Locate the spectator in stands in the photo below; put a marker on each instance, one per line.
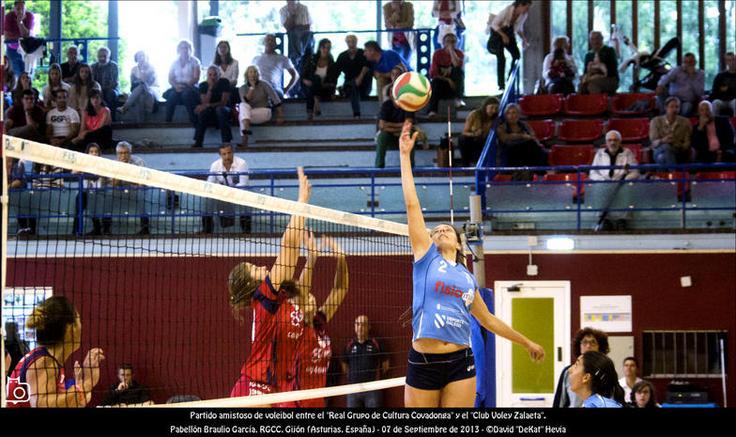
(593, 378)
(559, 69)
(105, 71)
(9, 81)
(24, 83)
(669, 135)
(477, 127)
(82, 88)
(449, 16)
(518, 144)
(228, 66)
(232, 171)
(183, 78)
(296, 20)
(630, 378)
(448, 76)
(613, 154)
(144, 89)
(62, 122)
(272, 66)
(600, 67)
(364, 361)
(96, 123)
(70, 68)
(54, 84)
(685, 82)
(257, 99)
(399, 14)
(215, 107)
(17, 24)
(25, 119)
(127, 391)
(503, 29)
(586, 339)
(91, 182)
(14, 345)
(643, 395)
(397, 71)
(390, 121)
(354, 65)
(712, 137)
(124, 154)
(318, 77)
(382, 62)
(723, 92)
(17, 179)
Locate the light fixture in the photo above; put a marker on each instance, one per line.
(560, 243)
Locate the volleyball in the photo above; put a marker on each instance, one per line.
(411, 91)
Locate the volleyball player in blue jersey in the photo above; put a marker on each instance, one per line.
(441, 370)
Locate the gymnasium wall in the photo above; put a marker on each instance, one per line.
(169, 317)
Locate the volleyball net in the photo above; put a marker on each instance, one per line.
(145, 256)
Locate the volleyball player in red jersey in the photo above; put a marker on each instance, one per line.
(315, 349)
(264, 291)
(38, 379)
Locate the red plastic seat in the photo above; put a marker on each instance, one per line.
(631, 129)
(541, 105)
(586, 104)
(733, 122)
(571, 155)
(502, 178)
(620, 103)
(543, 129)
(572, 181)
(580, 130)
(709, 175)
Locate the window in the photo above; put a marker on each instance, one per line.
(668, 26)
(646, 25)
(18, 304)
(712, 59)
(692, 354)
(559, 18)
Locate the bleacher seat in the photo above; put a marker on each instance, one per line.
(543, 129)
(621, 103)
(580, 130)
(631, 129)
(502, 178)
(571, 155)
(586, 104)
(711, 175)
(542, 105)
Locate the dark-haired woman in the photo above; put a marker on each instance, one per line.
(441, 371)
(41, 371)
(477, 126)
(265, 291)
(503, 29)
(96, 124)
(229, 68)
(643, 396)
(586, 339)
(318, 71)
(593, 378)
(82, 88)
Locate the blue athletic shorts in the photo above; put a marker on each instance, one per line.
(435, 371)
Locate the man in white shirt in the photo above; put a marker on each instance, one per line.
(296, 20)
(630, 378)
(62, 122)
(272, 66)
(614, 155)
(232, 171)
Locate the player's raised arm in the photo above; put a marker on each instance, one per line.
(418, 236)
(340, 283)
(285, 264)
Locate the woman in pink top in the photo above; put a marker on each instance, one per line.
(96, 123)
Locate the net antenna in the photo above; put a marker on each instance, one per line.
(450, 153)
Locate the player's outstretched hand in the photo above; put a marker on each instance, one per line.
(407, 139)
(305, 188)
(536, 352)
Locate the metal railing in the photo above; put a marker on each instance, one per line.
(684, 193)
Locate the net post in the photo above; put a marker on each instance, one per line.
(476, 218)
(4, 264)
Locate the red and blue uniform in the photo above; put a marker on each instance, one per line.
(257, 374)
(290, 321)
(18, 393)
(315, 352)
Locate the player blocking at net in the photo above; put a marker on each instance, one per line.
(441, 367)
(267, 292)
